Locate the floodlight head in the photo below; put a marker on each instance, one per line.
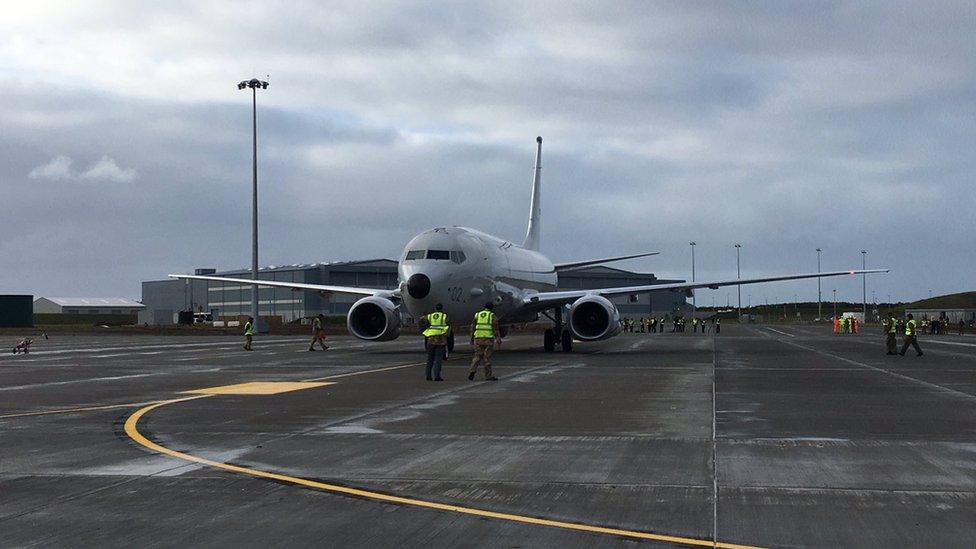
(241, 85)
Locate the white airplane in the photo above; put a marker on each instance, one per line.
(463, 269)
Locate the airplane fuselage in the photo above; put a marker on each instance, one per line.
(463, 269)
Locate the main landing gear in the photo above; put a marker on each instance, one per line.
(564, 337)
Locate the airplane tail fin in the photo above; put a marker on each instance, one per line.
(535, 208)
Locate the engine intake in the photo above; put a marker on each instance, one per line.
(593, 317)
(374, 319)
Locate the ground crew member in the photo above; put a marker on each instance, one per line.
(891, 334)
(661, 329)
(436, 334)
(694, 325)
(318, 333)
(910, 338)
(248, 333)
(718, 325)
(483, 334)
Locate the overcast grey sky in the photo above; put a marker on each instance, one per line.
(125, 144)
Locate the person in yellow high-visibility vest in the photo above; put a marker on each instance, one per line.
(891, 333)
(248, 333)
(436, 338)
(318, 333)
(483, 334)
(910, 338)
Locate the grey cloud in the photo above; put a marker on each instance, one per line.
(785, 126)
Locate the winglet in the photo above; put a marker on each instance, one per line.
(532, 235)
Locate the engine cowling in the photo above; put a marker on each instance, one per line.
(374, 319)
(593, 317)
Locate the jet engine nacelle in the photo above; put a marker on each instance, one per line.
(593, 317)
(374, 319)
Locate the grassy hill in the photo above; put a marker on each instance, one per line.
(964, 300)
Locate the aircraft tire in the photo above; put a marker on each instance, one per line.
(549, 340)
(567, 341)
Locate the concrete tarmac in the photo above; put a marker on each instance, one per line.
(779, 436)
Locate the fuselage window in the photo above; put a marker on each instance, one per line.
(438, 254)
(414, 254)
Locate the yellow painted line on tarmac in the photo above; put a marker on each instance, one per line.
(132, 430)
(258, 388)
(79, 409)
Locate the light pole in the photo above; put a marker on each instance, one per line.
(864, 287)
(694, 306)
(819, 311)
(835, 304)
(738, 275)
(254, 84)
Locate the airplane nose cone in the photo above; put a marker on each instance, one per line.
(418, 286)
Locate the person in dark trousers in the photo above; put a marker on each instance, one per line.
(484, 332)
(318, 333)
(436, 337)
(910, 338)
(891, 334)
(248, 333)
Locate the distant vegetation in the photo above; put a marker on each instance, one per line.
(964, 300)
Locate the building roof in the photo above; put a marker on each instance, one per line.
(92, 301)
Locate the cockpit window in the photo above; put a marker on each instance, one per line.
(438, 254)
(457, 257)
(414, 254)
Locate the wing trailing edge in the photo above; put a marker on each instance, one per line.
(563, 267)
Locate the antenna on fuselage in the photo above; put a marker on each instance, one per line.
(535, 207)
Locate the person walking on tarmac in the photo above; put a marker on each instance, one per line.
(483, 335)
(318, 333)
(436, 337)
(248, 333)
(718, 325)
(891, 334)
(910, 337)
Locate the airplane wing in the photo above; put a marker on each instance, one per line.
(543, 300)
(562, 267)
(390, 294)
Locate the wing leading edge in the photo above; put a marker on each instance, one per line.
(552, 299)
(295, 285)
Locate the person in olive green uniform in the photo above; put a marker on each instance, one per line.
(910, 337)
(248, 333)
(436, 334)
(483, 335)
(318, 333)
(891, 334)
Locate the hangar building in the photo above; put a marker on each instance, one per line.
(164, 299)
(86, 306)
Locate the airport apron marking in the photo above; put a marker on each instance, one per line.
(132, 430)
(259, 388)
